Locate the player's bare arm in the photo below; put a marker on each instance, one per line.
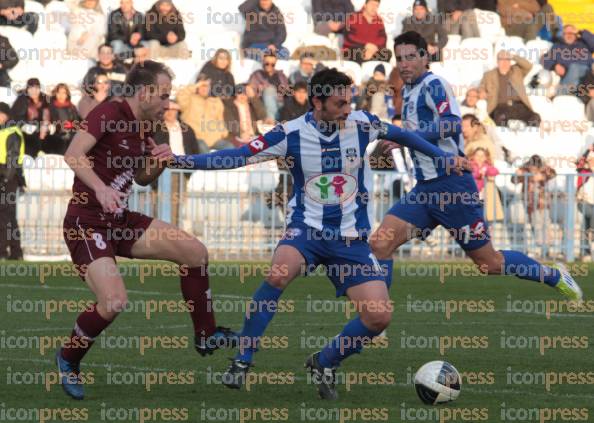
(154, 164)
(76, 157)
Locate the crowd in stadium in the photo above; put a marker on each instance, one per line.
(216, 112)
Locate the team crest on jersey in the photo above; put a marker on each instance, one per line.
(351, 154)
(331, 188)
(292, 233)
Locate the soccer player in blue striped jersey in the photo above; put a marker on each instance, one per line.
(329, 220)
(430, 109)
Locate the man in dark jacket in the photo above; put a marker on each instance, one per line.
(8, 60)
(125, 30)
(164, 31)
(297, 104)
(243, 114)
(182, 140)
(12, 13)
(571, 58)
(116, 72)
(329, 16)
(12, 150)
(265, 29)
(458, 17)
(430, 27)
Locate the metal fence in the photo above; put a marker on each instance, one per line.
(239, 214)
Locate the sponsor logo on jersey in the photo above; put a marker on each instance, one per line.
(258, 145)
(443, 107)
(331, 188)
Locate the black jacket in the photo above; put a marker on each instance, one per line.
(8, 59)
(222, 83)
(430, 28)
(65, 118)
(262, 27)
(257, 112)
(27, 20)
(292, 110)
(331, 10)
(161, 136)
(116, 75)
(119, 28)
(11, 169)
(157, 26)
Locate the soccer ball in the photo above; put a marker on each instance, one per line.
(437, 382)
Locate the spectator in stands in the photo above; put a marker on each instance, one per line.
(550, 24)
(504, 90)
(11, 180)
(116, 72)
(125, 29)
(204, 113)
(307, 67)
(8, 60)
(459, 17)
(429, 26)
(373, 96)
(518, 17)
(178, 134)
(87, 31)
(484, 175)
(31, 111)
(395, 84)
(534, 175)
(164, 31)
(99, 93)
(473, 104)
(585, 198)
(571, 58)
(297, 104)
(490, 5)
(64, 121)
(12, 13)
(270, 85)
(365, 35)
(244, 114)
(218, 71)
(475, 136)
(265, 29)
(330, 16)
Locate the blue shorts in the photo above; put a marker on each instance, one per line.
(348, 262)
(450, 201)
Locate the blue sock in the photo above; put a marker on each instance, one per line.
(388, 264)
(522, 266)
(263, 307)
(348, 342)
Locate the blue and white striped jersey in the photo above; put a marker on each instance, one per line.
(424, 103)
(331, 174)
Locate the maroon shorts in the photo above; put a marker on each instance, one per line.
(90, 236)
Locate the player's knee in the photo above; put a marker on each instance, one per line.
(195, 255)
(377, 321)
(278, 280)
(381, 248)
(490, 265)
(114, 303)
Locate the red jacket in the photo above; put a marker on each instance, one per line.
(360, 32)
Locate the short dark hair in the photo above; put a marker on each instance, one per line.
(143, 75)
(104, 45)
(324, 82)
(301, 85)
(414, 38)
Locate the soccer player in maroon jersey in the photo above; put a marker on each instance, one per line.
(113, 149)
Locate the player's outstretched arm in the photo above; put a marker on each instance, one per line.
(412, 140)
(231, 158)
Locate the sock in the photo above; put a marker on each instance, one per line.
(195, 290)
(88, 326)
(524, 267)
(388, 264)
(261, 312)
(348, 342)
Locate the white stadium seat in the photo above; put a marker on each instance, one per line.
(537, 49)
(514, 45)
(33, 6)
(543, 106)
(489, 24)
(242, 69)
(569, 108)
(57, 15)
(353, 69)
(476, 50)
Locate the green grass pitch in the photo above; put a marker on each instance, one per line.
(513, 354)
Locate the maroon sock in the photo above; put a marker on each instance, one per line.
(196, 292)
(87, 327)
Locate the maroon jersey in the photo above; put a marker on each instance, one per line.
(116, 156)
